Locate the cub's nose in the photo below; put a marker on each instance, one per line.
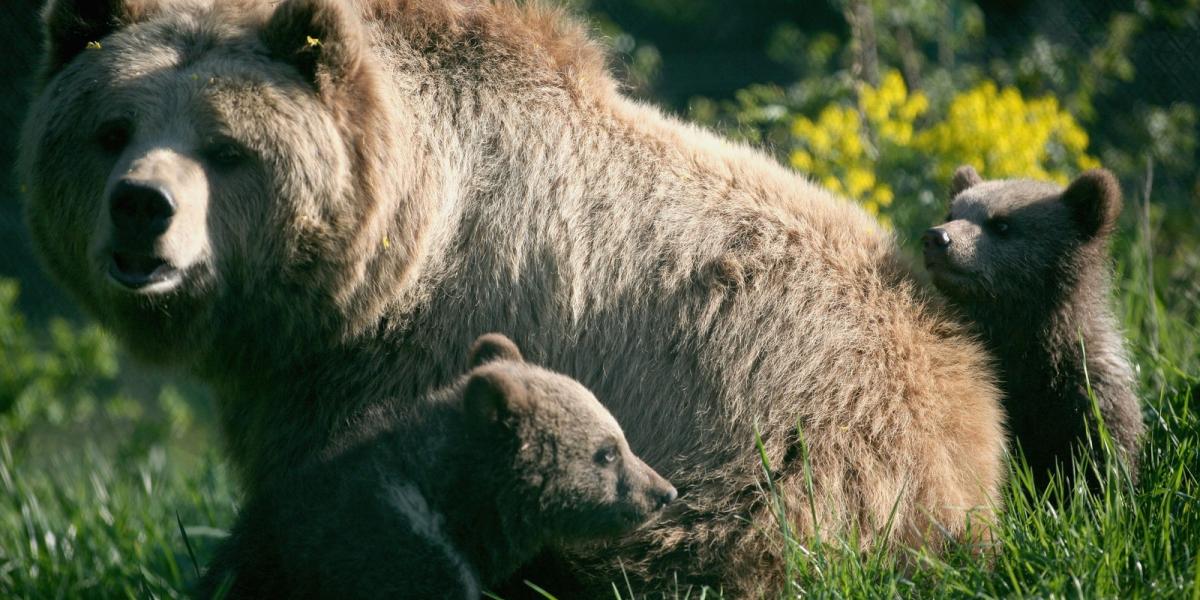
(936, 238)
(665, 497)
(140, 210)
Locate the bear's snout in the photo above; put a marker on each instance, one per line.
(153, 228)
(140, 212)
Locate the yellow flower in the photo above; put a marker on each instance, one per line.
(998, 130)
(859, 181)
(883, 195)
(833, 183)
(1004, 135)
(801, 161)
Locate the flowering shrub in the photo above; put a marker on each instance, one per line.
(886, 144)
(843, 155)
(1004, 135)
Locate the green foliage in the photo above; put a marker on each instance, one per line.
(885, 114)
(66, 377)
(55, 380)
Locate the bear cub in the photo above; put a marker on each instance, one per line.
(456, 492)
(1028, 264)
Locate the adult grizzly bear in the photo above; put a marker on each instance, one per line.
(315, 206)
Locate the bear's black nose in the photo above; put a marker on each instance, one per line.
(936, 238)
(140, 211)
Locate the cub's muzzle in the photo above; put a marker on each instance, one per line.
(935, 238)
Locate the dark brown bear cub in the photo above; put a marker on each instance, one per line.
(461, 489)
(1028, 263)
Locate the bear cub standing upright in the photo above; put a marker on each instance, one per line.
(1028, 263)
(460, 490)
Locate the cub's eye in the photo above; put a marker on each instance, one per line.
(606, 456)
(999, 225)
(225, 153)
(113, 136)
(949, 217)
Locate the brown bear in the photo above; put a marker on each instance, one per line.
(459, 489)
(1028, 263)
(314, 204)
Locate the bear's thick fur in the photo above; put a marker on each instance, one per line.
(1028, 262)
(332, 198)
(461, 488)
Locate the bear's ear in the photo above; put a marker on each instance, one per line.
(494, 395)
(1094, 199)
(73, 24)
(964, 177)
(493, 346)
(323, 39)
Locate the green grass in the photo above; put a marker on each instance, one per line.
(78, 522)
(81, 524)
(1126, 541)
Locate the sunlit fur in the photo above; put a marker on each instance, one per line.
(424, 171)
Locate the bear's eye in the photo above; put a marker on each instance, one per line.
(113, 136)
(999, 225)
(225, 153)
(606, 455)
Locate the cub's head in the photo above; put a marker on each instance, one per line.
(193, 167)
(565, 463)
(1019, 238)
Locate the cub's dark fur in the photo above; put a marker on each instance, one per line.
(1028, 262)
(464, 487)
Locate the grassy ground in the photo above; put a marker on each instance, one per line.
(76, 521)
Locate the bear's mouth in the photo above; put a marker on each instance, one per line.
(951, 280)
(941, 265)
(141, 272)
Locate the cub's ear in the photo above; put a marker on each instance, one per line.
(73, 24)
(964, 177)
(323, 39)
(493, 346)
(494, 395)
(1094, 199)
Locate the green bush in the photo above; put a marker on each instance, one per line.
(65, 377)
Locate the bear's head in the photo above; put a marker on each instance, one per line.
(1010, 239)
(564, 464)
(196, 169)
